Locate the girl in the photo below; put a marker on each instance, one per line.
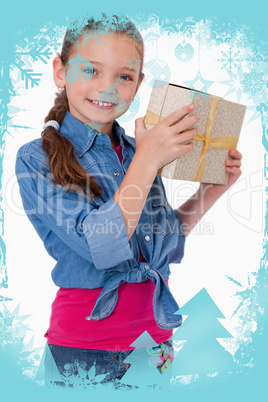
(95, 199)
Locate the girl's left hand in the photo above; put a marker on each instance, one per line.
(233, 166)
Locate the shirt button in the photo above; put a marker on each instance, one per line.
(147, 238)
(165, 203)
(116, 174)
(146, 266)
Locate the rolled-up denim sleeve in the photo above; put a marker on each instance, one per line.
(98, 234)
(175, 255)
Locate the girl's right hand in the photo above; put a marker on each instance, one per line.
(164, 142)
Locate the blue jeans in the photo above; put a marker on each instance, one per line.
(91, 367)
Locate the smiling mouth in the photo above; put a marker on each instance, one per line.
(102, 103)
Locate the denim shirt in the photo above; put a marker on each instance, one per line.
(89, 240)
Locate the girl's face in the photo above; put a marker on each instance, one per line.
(102, 77)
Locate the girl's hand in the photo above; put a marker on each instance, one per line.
(233, 166)
(165, 142)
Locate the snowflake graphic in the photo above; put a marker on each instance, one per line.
(188, 28)
(242, 40)
(151, 37)
(54, 35)
(234, 83)
(255, 59)
(205, 35)
(230, 60)
(11, 327)
(247, 311)
(246, 37)
(224, 33)
(169, 26)
(258, 108)
(12, 335)
(253, 82)
(36, 52)
(263, 110)
(27, 53)
(27, 44)
(77, 375)
(115, 360)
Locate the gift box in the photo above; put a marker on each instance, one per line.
(219, 128)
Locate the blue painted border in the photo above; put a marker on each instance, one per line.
(18, 17)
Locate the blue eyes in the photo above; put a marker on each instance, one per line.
(91, 71)
(88, 70)
(126, 77)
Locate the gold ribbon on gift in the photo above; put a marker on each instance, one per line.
(152, 118)
(223, 142)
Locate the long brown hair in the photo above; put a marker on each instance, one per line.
(64, 167)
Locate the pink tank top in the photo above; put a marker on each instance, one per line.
(132, 315)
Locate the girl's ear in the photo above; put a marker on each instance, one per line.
(58, 72)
